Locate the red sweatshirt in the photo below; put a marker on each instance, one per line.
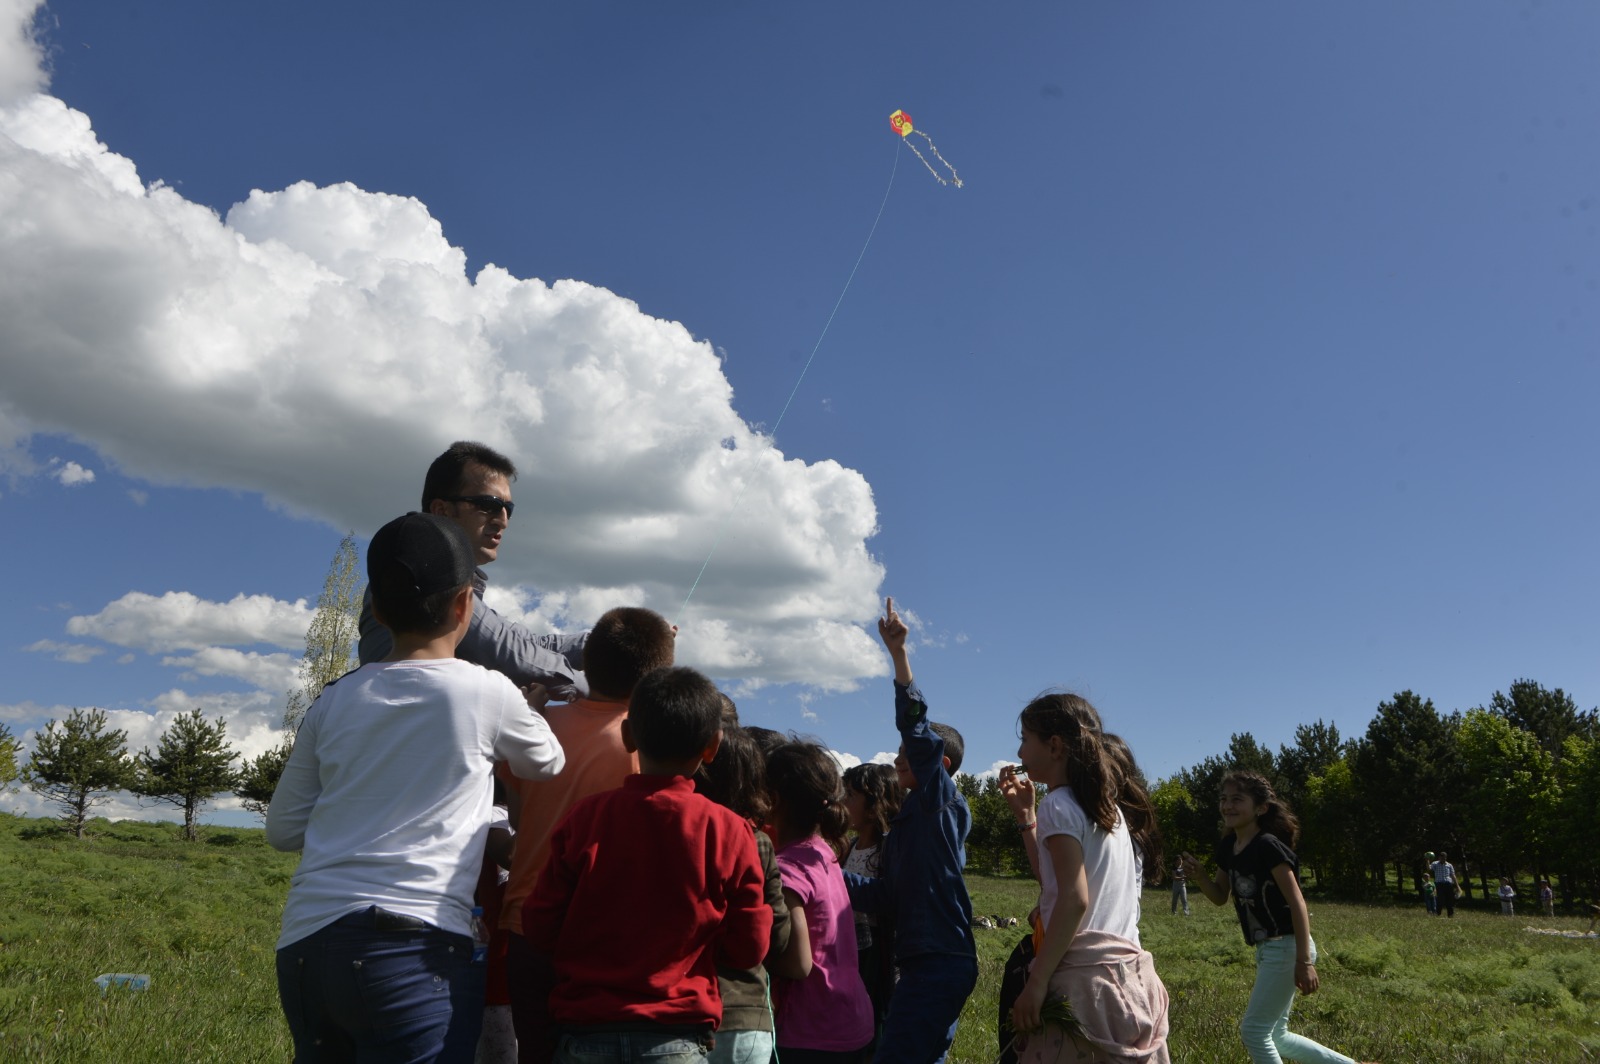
(648, 887)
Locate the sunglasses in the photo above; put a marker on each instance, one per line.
(489, 504)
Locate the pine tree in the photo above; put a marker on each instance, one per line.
(192, 762)
(331, 639)
(258, 779)
(77, 763)
(10, 747)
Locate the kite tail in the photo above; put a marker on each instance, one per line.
(955, 178)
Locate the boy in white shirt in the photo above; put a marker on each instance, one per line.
(388, 795)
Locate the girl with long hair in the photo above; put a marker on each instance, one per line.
(1089, 872)
(1256, 864)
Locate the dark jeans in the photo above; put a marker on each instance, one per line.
(925, 1007)
(529, 980)
(1447, 897)
(353, 992)
(1013, 977)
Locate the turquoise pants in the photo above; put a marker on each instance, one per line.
(1265, 1027)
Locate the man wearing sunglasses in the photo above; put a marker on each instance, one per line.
(471, 485)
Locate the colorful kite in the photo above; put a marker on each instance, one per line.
(900, 122)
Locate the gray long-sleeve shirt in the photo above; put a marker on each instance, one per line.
(556, 661)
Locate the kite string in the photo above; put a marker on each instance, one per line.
(773, 435)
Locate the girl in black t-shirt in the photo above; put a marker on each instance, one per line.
(1257, 866)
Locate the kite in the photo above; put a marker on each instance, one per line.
(900, 122)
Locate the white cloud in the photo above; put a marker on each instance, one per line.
(71, 474)
(882, 757)
(21, 64)
(179, 620)
(76, 653)
(139, 497)
(270, 672)
(993, 771)
(324, 344)
(844, 761)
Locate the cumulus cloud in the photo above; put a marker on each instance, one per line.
(21, 64)
(269, 672)
(71, 474)
(76, 653)
(324, 343)
(179, 620)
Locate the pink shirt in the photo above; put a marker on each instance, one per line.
(828, 1009)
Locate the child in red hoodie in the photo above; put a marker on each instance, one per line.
(647, 888)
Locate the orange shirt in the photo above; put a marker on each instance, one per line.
(591, 734)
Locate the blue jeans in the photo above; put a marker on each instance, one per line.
(742, 1047)
(1265, 1027)
(924, 1008)
(630, 1047)
(351, 992)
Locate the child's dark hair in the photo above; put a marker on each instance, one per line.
(1279, 820)
(730, 712)
(766, 739)
(954, 746)
(880, 786)
(1138, 812)
(674, 714)
(803, 780)
(626, 643)
(427, 616)
(1091, 775)
(737, 777)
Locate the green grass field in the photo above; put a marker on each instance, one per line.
(201, 919)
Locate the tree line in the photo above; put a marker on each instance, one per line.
(1510, 788)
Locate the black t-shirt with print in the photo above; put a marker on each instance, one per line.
(1263, 910)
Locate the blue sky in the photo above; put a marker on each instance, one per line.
(1249, 379)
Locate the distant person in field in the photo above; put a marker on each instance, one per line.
(1547, 898)
(648, 888)
(1508, 897)
(1257, 865)
(1180, 890)
(626, 643)
(1444, 881)
(921, 886)
(470, 484)
(387, 794)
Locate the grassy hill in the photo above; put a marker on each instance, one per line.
(201, 920)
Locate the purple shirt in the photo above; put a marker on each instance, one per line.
(828, 1009)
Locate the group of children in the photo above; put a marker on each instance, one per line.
(681, 889)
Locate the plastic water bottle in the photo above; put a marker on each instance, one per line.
(132, 982)
(480, 937)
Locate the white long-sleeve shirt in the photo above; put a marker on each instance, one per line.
(388, 792)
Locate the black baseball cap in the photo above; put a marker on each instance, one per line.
(418, 555)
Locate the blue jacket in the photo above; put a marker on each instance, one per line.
(926, 849)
